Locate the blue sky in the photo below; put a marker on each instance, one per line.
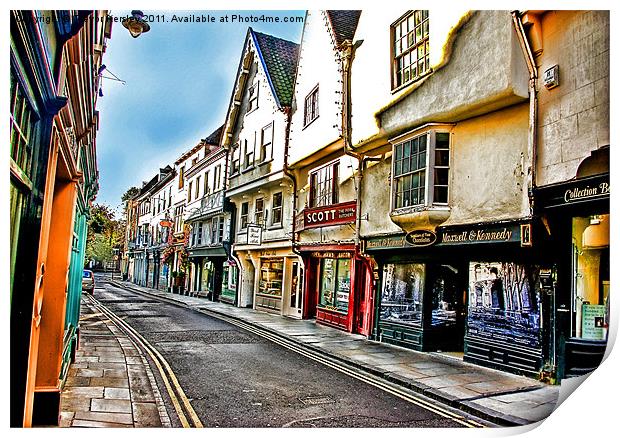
(179, 79)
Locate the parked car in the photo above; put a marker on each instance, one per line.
(88, 281)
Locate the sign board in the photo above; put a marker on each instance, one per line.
(591, 188)
(483, 234)
(593, 325)
(317, 217)
(420, 238)
(255, 235)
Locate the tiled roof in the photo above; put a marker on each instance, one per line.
(215, 136)
(343, 24)
(280, 60)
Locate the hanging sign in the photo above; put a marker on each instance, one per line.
(420, 238)
(255, 235)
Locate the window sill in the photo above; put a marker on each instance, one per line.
(248, 169)
(309, 123)
(233, 175)
(274, 227)
(411, 82)
(265, 162)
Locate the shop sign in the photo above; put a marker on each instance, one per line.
(255, 235)
(385, 242)
(331, 255)
(494, 234)
(420, 238)
(593, 322)
(576, 194)
(591, 188)
(330, 215)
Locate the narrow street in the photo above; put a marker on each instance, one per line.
(234, 378)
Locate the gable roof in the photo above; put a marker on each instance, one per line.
(343, 24)
(279, 58)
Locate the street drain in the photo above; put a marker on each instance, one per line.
(319, 400)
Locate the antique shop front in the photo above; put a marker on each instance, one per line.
(479, 292)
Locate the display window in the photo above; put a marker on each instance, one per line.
(504, 302)
(335, 284)
(271, 275)
(590, 266)
(402, 293)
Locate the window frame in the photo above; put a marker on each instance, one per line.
(266, 148)
(277, 209)
(243, 217)
(311, 101)
(253, 91)
(411, 49)
(430, 170)
(313, 200)
(249, 151)
(259, 221)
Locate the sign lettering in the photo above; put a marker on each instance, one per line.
(318, 217)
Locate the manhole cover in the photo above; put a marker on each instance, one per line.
(318, 400)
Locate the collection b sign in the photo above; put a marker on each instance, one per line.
(420, 238)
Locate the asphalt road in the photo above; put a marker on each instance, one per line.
(234, 378)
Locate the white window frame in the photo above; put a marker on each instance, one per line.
(429, 174)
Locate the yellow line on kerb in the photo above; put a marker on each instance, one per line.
(159, 361)
(378, 384)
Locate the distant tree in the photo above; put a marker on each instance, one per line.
(104, 234)
(130, 193)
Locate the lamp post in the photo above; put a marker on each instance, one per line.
(136, 24)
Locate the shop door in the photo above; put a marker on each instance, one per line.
(362, 304)
(448, 294)
(293, 302)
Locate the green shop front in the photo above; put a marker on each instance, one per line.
(213, 275)
(479, 292)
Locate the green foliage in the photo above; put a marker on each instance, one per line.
(104, 234)
(99, 249)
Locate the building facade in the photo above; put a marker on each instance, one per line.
(213, 273)
(55, 61)
(255, 134)
(337, 287)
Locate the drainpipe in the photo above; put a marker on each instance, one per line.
(347, 54)
(533, 120)
(291, 176)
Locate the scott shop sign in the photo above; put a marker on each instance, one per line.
(317, 217)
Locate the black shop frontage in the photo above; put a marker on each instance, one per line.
(577, 215)
(480, 292)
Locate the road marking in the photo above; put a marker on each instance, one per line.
(162, 365)
(357, 374)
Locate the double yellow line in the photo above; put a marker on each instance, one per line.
(181, 403)
(357, 374)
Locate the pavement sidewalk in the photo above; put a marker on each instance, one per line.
(497, 396)
(110, 384)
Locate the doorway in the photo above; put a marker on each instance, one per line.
(446, 307)
(293, 301)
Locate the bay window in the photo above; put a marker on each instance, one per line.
(420, 170)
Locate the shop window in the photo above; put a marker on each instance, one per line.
(421, 170)
(266, 139)
(276, 209)
(402, 293)
(245, 208)
(311, 106)
(259, 211)
(410, 48)
(590, 313)
(271, 275)
(504, 299)
(324, 186)
(335, 282)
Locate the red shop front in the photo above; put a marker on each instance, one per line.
(338, 283)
